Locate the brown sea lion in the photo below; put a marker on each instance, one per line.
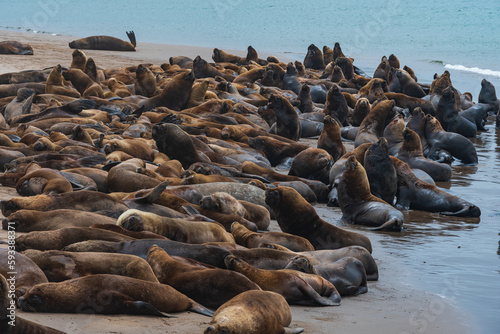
(276, 150)
(314, 58)
(405, 101)
(55, 84)
(361, 110)
(287, 120)
(108, 294)
(105, 43)
(133, 234)
(145, 81)
(408, 85)
(15, 48)
(373, 90)
(359, 206)
(336, 105)
(10, 323)
(253, 312)
(60, 266)
(380, 171)
(411, 153)
(416, 194)
(345, 65)
(440, 83)
(393, 133)
(193, 232)
(82, 82)
(78, 60)
(296, 216)
(43, 181)
(249, 239)
(296, 287)
(447, 113)
(372, 127)
(312, 163)
(208, 286)
(174, 95)
(330, 139)
(347, 274)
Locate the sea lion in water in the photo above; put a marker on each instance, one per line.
(105, 43)
(359, 206)
(211, 287)
(296, 216)
(297, 288)
(253, 312)
(108, 294)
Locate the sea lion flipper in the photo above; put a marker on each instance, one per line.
(153, 195)
(131, 37)
(190, 210)
(140, 307)
(26, 109)
(293, 330)
(198, 308)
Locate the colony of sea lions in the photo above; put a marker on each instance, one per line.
(184, 164)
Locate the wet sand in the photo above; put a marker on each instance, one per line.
(394, 304)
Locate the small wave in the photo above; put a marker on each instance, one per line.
(473, 70)
(437, 62)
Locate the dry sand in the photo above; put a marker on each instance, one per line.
(393, 304)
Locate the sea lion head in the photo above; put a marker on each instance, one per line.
(131, 220)
(232, 262)
(273, 196)
(290, 69)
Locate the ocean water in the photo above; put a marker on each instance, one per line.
(456, 257)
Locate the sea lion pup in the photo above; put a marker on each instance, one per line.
(105, 43)
(249, 239)
(208, 286)
(174, 95)
(225, 203)
(192, 232)
(10, 323)
(84, 200)
(347, 274)
(393, 133)
(177, 144)
(314, 58)
(60, 266)
(458, 146)
(416, 194)
(58, 239)
(372, 127)
(82, 82)
(43, 181)
(411, 153)
(447, 113)
(297, 288)
(359, 206)
(296, 216)
(15, 48)
(55, 84)
(313, 163)
(264, 312)
(32, 220)
(330, 139)
(287, 120)
(27, 273)
(380, 171)
(114, 294)
(361, 110)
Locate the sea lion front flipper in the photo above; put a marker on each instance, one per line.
(198, 308)
(293, 330)
(153, 195)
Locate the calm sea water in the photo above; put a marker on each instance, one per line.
(458, 258)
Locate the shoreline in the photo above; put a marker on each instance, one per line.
(394, 304)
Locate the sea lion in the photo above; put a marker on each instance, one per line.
(314, 58)
(411, 153)
(10, 323)
(175, 94)
(330, 139)
(345, 65)
(372, 127)
(43, 181)
(108, 294)
(297, 288)
(296, 216)
(488, 96)
(287, 120)
(145, 81)
(361, 110)
(83, 83)
(447, 113)
(249, 239)
(193, 232)
(32, 220)
(20, 105)
(336, 105)
(105, 43)
(264, 312)
(26, 273)
(55, 84)
(393, 133)
(459, 146)
(359, 205)
(416, 194)
(409, 85)
(276, 150)
(211, 287)
(347, 274)
(380, 171)
(405, 101)
(440, 83)
(312, 163)
(15, 48)
(60, 266)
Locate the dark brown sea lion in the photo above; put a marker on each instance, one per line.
(210, 287)
(31, 220)
(247, 238)
(105, 43)
(60, 266)
(43, 181)
(488, 96)
(440, 83)
(174, 95)
(20, 105)
(416, 194)
(447, 113)
(372, 127)
(314, 58)
(411, 153)
(296, 287)
(253, 312)
(359, 206)
(287, 120)
(347, 274)
(409, 85)
(346, 65)
(361, 110)
(21, 269)
(108, 294)
(393, 133)
(15, 48)
(405, 101)
(276, 150)
(330, 139)
(10, 323)
(312, 163)
(380, 171)
(296, 216)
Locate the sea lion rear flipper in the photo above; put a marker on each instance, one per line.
(392, 224)
(316, 298)
(27, 105)
(76, 106)
(131, 37)
(153, 195)
(198, 308)
(293, 330)
(143, 308)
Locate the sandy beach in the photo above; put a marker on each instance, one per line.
(393, 304)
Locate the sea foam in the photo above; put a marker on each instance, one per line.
(476, 70)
